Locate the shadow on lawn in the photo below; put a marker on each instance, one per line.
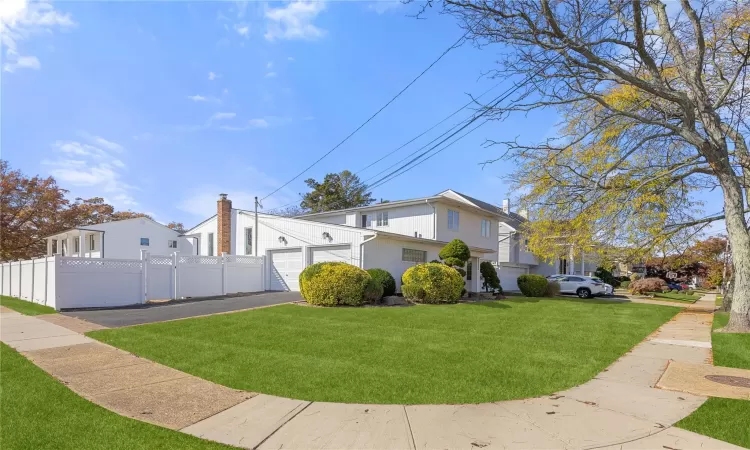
(490, 304)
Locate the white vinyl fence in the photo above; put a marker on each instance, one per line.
(67, 282)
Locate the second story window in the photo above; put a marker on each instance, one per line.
(486, 228)
(382, 219)
(172, 244)
(452, 219)
(144, 242)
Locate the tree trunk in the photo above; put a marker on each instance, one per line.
(726, 302)
(734, 206)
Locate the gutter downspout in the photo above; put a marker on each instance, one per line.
(434, 220)
(362, 251)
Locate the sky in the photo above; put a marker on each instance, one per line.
(160, 106)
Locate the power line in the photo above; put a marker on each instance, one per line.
(372, 116)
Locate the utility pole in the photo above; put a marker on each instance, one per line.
(255, 247)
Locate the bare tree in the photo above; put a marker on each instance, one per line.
(654, 103)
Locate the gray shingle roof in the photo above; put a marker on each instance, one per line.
(512, 219)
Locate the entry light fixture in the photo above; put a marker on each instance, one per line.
(327, 235)
(282, 240)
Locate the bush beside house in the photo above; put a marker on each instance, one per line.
(385, 279)
(432, 283)
(532, 285)
(336, 283)
(489, 274)
(455, 254)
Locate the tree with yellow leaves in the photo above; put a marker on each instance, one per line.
(654, 105)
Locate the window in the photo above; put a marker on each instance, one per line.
(486, 228)
(410, 255)
(576, 279)
(92, 240)
(54, 246)
(144, 242)
(468, 271)
(249, 241)
(364, 221)
(77, 244)
(172, 244)
(382, 219)
(452, 220)
(210, 244)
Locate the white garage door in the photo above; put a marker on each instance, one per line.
(286, 265)
(509, 277)
(338, 253)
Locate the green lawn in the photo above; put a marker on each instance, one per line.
(675, 297)
(721, 418)
(38, 412)
(25, 306)
(464, 353)
(730, 349)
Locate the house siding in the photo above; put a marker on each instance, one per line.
(384, 253)
(122, 239)
(469, 228)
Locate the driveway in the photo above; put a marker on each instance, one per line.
(181, 309)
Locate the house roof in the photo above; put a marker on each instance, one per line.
(85, 228)
(441, 197)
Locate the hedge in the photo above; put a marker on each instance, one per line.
(553, 289)
(532, 285)
(334, 283)
(432, 283)
(385, 279)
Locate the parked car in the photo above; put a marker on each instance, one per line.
(608, 288)
(582, 286)
(674, 286)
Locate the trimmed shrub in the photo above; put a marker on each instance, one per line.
(624, 284)
(553, 289)
(385, 279)
(333, 283)
(432, 283)
(607, 277)
(455, 249)
(412, 292)
(373, 291)
(491, 281)
(690, 292)
(532, 285)
(646, 285)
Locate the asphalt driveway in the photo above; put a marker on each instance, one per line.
(181, 309)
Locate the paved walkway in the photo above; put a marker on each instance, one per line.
(619, 408)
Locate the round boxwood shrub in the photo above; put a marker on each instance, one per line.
(553, 289)
(532, 285)
(432, 283)
(373, 291)
(333, 283)
(385, 279)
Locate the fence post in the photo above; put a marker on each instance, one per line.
(223, 273)
(20, 279)
(46, 278)
(33, 274)
(175, 275)
(144, 276)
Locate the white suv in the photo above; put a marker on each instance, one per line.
(584, 287)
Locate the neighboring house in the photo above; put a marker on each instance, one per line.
(392, 236)
(121, 239)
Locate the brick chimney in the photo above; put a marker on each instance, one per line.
(224, 224)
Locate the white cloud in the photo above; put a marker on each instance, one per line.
(21, 19)
(242, 29)
(203, 98)
(20, 62)
(225, 91)
(212, 76)
(290, 58)
(271, 75)
(383, 6)
(92, 165)
(252, 123)
(258, 123)
(294, 21)
(269, 64)
(222, 116)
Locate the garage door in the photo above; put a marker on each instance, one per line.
(286, 265)
(509, 277)
(338, 253)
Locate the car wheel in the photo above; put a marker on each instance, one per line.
(584, 293)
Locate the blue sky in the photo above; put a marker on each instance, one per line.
(160, 106)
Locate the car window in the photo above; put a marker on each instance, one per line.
(575, 279)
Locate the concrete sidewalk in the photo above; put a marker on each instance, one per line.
(619, 408)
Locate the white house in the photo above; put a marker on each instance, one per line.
(121, 239)
(391, 236)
